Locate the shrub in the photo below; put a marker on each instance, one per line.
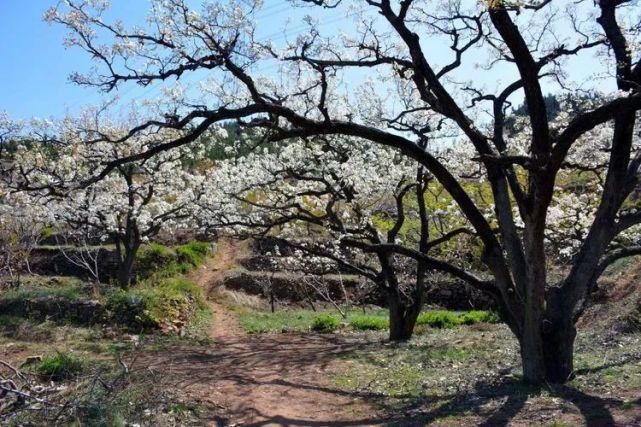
(369, 323)
(325, 323)
(193, 253)
(438, 319)
(60, 366)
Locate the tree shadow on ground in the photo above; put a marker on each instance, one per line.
(260, 362)
(498, 403)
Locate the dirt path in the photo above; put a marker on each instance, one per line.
(269, 379)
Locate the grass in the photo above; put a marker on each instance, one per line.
(156, 261)
(60, 366)
(325, 323)
(255, 322)
(374, 320)
(68, 289)
(369, 322)
(193, 253)
(430, 367)
(157, 302)
(449, 319)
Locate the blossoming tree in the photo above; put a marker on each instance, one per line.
(341, 206)
(129, 205)
(380, 80)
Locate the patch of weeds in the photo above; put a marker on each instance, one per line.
(193, 253)
(325, 323)
(120, 347)
(389, 376)
(60, 366)
(448, 319)
(375, 320)
(439, 319)
(479, 316)
(182, 410)
(633, 320)
(365, 322)
(627, 405)
(156, 261)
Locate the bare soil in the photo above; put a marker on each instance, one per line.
(268, 379)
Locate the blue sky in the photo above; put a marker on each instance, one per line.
(34, 64)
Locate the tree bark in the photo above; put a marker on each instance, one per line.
(558, 352)
(547, 347)
(126, 266)
(402, 320)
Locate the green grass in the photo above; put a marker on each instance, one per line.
(479, 316)
(449, 319)
(10, 322)
(325, 323)
(369, 322)
(439, 319)
(374, 320)
(60, 366)
(193, 253)
(448, 354)
(156, 261)
(262, 322)
(70, 290)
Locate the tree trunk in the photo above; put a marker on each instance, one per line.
(558, 333)
(402, 320)
(126, 267)
(547, 351)
(532, 359)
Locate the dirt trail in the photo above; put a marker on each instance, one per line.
(269, 379)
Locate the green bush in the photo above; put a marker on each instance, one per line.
(193, 253)
(365, 322)
(438, 319)
(325, 323)
(60, 366)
